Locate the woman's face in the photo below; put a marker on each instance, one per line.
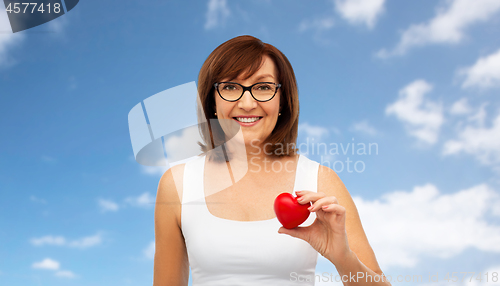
(247, 106)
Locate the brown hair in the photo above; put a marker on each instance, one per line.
(243, 56)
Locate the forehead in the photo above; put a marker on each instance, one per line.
(267, 70)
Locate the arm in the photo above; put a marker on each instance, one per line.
(171, 266)
(361, 257)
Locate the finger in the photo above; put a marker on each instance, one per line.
(298, 232)
(323, 201)
(301, 196)
(310, 197)
(303, 192)
(337, 212)
(334, 208)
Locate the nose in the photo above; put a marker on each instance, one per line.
(247, 102)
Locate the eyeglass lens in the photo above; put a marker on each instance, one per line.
(261, 91)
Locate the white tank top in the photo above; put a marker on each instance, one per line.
(229, 252)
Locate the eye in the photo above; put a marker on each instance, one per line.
(263, 87)
(229, 87)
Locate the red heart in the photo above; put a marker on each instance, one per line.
(289, 212)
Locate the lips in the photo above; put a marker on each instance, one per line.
(242, 119)
(247, 117)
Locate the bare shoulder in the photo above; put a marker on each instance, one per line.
(330, 184)
(171, 266)
(169, 195)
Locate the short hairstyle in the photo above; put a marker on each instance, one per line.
(243, 56)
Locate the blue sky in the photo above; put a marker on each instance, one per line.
(420, 79)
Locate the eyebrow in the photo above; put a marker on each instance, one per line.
(264, 76)
(259, 78)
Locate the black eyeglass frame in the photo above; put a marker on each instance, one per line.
(245, 88)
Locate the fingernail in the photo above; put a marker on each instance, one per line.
(324, 207)
(310, 208)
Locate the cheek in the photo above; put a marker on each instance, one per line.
(272, 110)
(216, 99)
(224, 107)
(275, 108)
(219, 103)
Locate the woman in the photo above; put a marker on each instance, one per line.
(216, 214)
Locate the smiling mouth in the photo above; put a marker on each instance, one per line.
(247, 119)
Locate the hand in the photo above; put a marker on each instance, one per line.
(327, 234)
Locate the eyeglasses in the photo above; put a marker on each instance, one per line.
(261, 91)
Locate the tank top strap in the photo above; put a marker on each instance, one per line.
(193, 180)
(307, 175)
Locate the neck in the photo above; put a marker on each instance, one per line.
(246, 159)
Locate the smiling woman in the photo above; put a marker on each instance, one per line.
(246, 60)
(215, 215)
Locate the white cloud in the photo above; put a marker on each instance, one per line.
(364, 127)
(180, 148)
(107, 205)
(149, 251)
(479, 117)
(47, 263)
(317, 132)
(478, 140)
(404, 227)
(49, 240)
(145, 200)
(466, 278)
(154, 170)
(65, 274)
(216, 14)
(317, 24)
(8, 40)
(182, 145)
(485, 73)
(363, 12)
(83, 242)
(51, 264)
(490, 270)
(447, 27)
(460, 107)
(317, 28)
(422, 117)
(86, 242)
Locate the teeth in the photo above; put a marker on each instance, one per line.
(247, 120)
